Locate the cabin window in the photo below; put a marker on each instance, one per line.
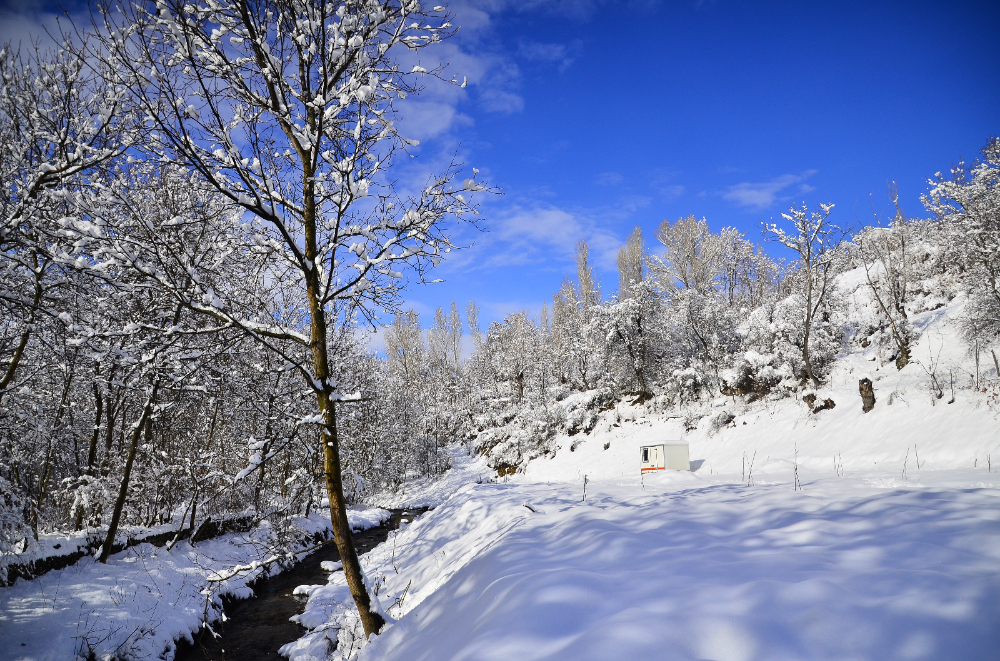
(645, 455)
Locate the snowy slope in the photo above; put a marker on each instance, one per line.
(907, 421)
(688, 568)
(890, 550)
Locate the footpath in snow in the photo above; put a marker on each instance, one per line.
(143, 599)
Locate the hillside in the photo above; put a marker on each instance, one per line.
(877, 555)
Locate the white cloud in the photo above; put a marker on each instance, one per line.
(573, 9)
(501, 101)
(422, 119)
(631, 203)
(539, 234)
(609, 179)
(662, 183)
(670, 193)
(762, 195)
(24, 21)
(562, 54)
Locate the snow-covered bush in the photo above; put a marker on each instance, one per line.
(968, 204)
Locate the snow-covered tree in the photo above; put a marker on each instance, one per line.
(59, 121)
(631, 257)
(404, 347)
(817, 244)
(287, 110)
(748, 277)
(691, 256)
(969, 204)
(884, 253)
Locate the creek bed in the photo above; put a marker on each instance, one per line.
(255, 628)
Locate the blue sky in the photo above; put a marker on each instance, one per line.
(597, 117)
(594, 117)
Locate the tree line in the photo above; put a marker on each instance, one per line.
(705, 314)
(198, 217)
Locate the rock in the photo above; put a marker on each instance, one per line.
(824, 405)
(867, 394)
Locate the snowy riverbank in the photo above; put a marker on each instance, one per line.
(143, 599)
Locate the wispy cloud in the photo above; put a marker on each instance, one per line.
(424, 119)
(24, 21)
(561, 54)
(609, 179)
(762, 195)
(537, 234)
(663, 182)
(501, 101)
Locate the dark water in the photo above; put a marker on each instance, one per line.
(258, 626)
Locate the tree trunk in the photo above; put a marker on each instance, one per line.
(98, 414)
(867, 395)
(372, 621)
(808, 326)
(137, 430)
(109, 434)
(263, 454)
(29, 324)
(903, 359)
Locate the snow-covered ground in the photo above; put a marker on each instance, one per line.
(690, 568)
(890, 550)
(143, 599)
(431, 492)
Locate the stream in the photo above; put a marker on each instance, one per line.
(257, 627)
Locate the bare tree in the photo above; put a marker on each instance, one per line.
(630, 264)
(817, 243)
(885, 257)
(286, 109)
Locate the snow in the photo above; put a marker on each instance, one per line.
(140, 601)
(431, 492)
(691, 568)
(890, 550)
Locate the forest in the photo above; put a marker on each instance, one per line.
(199, 231)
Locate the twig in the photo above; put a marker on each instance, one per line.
(399, 602)
(798, 485)
(394, 551)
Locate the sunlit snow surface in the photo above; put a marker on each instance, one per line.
(690, 569)
(890, 551)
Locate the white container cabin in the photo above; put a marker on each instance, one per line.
(670, 454)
